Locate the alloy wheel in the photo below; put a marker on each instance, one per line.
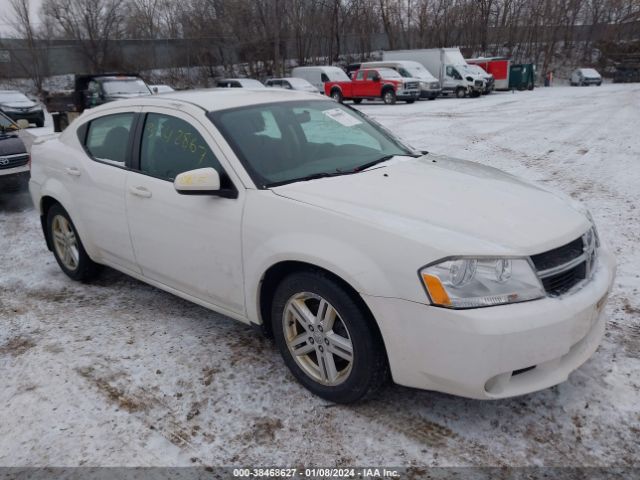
(317, 338)
(65, 242)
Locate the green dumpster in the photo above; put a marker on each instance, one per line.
(522, 76)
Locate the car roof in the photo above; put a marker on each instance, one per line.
(214, 99)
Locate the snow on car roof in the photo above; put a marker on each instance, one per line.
(590, 72)
(217, 98)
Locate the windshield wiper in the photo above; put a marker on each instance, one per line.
(385, 158)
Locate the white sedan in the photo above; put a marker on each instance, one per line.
(363, 257)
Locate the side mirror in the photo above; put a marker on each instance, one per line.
(22, 124)
(202, 181)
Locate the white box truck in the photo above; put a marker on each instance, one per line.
(448, 66)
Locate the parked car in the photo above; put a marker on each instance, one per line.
(90, 91)
(375, 83)
(318, 76)
(14, 159)
(359, 254)
(158, 89)
(238, 83)
(489, 81)
(448, 66)
(429, 85)
(585, 77)
(18, 106)
(497, 66)
(292, 83)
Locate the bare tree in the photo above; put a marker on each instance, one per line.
(23, 27)
(92, 23)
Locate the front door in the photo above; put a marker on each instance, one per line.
(191, 243)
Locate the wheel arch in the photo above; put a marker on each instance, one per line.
(278, 271)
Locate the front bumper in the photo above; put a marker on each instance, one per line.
(487, 353)
(12, 178)
(433, 93)
(408, 94)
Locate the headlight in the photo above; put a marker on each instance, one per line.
(593, 227)
(480, 282)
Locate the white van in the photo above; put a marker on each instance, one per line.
(317, 76)
(429, 85)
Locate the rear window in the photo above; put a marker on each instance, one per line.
(108, 138)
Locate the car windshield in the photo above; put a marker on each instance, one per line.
(416, 71)
(388, 73)
(126, 87)
(285, 142)
(299, 82)
(251, 83)
(13, 97)
(590, 72)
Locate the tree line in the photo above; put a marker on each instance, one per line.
(264, 34)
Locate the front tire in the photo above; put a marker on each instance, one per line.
(67, 247)
(461, 93)
(326, 338)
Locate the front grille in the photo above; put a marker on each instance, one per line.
(564, 267)
(564, 281)
(478, 83)
(411, 85)
(12, 161)
(559, 256)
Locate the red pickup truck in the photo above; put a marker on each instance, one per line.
(373, 83)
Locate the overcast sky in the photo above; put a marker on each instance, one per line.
(6, 11)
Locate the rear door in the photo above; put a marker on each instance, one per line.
(190, 243)
(359, 84)
(100, 180)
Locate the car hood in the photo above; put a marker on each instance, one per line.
(433, 195)
(18, 104)
(10, 144)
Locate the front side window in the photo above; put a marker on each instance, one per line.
(287, 141)
(171, 146)
(360, 75)
(108, 138)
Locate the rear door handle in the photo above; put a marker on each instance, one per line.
(140, 192)
(72, 171)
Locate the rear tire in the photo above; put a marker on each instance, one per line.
(410, 101)
(337, 96)
(357, 101)
(339, 354)
(67, 246)
(389, 97)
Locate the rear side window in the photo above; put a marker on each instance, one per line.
(108, 138)
(171, 146)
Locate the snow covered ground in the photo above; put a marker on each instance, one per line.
(120, 373)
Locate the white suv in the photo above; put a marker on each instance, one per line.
(360, 255)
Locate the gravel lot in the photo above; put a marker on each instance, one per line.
(120, 373)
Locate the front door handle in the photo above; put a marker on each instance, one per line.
(140, 192)
(72, 171)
